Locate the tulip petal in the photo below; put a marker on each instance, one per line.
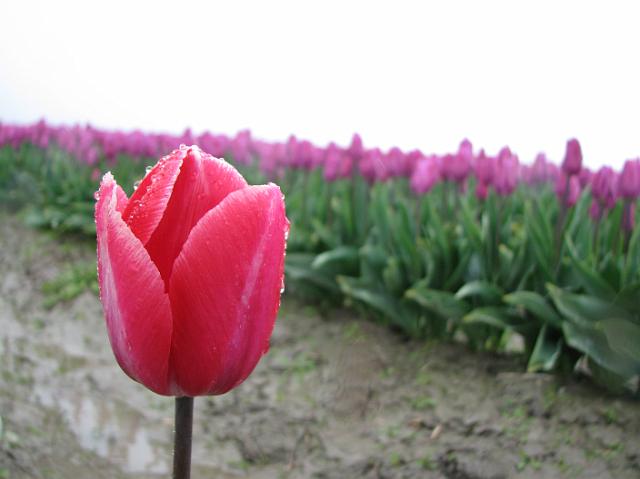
(136, 307)
(204, 181)
(121, 199)
(225, 291)
(148, 202)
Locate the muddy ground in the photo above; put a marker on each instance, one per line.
(336, 397)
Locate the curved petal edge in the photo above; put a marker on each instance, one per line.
(136, 307)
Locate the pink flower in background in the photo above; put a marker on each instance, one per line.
(604, 186)
(337, 163)
(572, 163)
(568, 195)
(425, 175)
(629, 180)
(585, 176)
(595, 211)
(485, 168)
(457, 167)
(507, 171)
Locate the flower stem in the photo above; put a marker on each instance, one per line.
(182, 438)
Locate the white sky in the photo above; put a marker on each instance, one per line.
(411, 74)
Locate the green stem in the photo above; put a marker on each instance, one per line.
(182, 438)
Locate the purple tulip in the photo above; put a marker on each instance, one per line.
(572, 163)
(425, 175)
(337, 163)
(506, 172)
(629, 180)
(604, 186)
(485, 168)
(568, 194)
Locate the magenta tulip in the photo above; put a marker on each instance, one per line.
(629, 180)
(190, 271)
(572, 163)
(426, 174)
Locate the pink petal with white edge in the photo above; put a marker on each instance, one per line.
(204, 181)
(148, 202)
(225, 291)
(136, 307)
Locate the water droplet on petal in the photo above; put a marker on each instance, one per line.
(135, 185)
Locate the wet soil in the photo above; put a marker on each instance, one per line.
(336, 397)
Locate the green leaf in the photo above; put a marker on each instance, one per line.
(584, 310)
(594, 344)
(483, 289)
(379, 301)
(343, 259)
(546, 351)
(623, 337)
(440, 302)
(536, 305)
(590, 279)
(495, 316)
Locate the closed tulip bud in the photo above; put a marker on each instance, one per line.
(333, 159)
(585, 176)
(356, 149)
(629, 180)
(190, 271)
(572, 163)
(506, 173)
(568, 195)
(485, 168)
(425, 175)
(457, 167)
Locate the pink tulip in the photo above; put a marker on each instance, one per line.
(485, 168)
(425, 175)
(506, 173)
(190, 271)
(595, 211)
(337, 163)
(457, 167)
(604, 185)
(629, 180)
(568, 195)
(572, 163)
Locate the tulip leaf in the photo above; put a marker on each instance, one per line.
(582, 309)
(442, 303)
(594, 344)
(489, 292)
(546, 351)
(495, 316)
(590, 279)
(536, 305)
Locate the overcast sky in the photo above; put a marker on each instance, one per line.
(411, 74)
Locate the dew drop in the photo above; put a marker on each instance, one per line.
(148, 169)
(96, 195)
(135, 185)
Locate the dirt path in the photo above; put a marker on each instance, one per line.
(335, 398)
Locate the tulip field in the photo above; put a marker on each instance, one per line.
(469, 246)
(530, 262)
